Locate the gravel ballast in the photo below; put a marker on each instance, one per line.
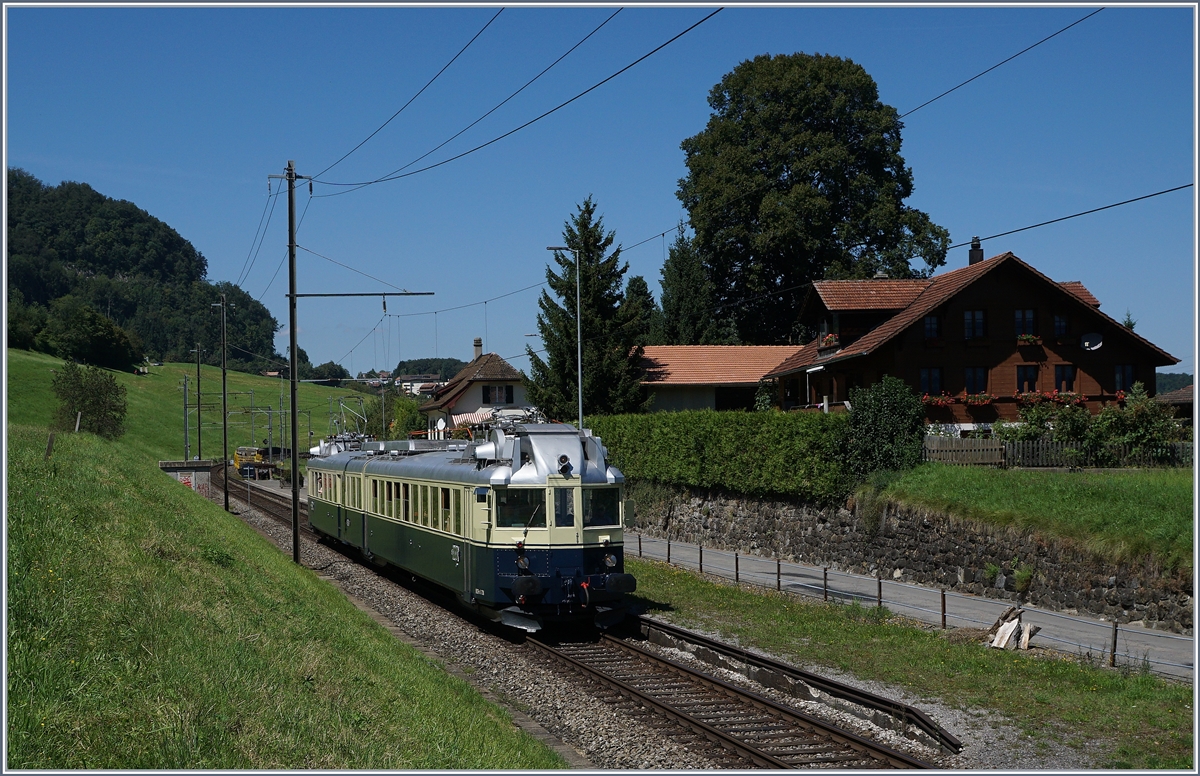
(598, 734)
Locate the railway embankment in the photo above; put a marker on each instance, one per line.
(149, 629)
(926, 546)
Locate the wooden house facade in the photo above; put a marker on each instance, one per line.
(971, 341)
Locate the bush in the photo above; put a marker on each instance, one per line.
(76, 332)
(755, 453)
(887, 428)
(92, 392)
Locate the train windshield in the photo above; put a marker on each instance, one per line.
(520, 507)
(601, 506)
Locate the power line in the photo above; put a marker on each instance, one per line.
(993, 67)
(352, 269)
(361, 341)
(410, 101)
(490, 112)
(1075, 215)
(360, 184)
(260, 237)
(285, 253)
(464, 306)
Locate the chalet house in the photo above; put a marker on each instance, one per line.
(720, 377)
(487, 383)
(971, 341)
(1181, 400)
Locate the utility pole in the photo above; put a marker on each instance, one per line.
(197, 352)
(224, 408)
(187, 446)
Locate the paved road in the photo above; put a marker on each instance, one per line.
(1168, 654)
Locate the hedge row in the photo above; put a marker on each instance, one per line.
(755, 453)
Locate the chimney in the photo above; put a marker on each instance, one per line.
(478, 347)
(976, 254)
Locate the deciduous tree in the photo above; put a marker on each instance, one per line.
(93, 392)
(796, 177)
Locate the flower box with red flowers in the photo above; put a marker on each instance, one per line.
(1066, 398)
(978, 399)
(937, 399)
(829, 341)
(1028, 339)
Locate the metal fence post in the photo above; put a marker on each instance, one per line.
(737, 574)
(1112, 654)
(879, 591)
(701, 558)
(778, 584)
(639, 545)
(825, 578)
(943, 608)
(668, 550)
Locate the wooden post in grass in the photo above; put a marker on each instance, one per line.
(943, 608)
(639, 545)
(825, 577)
(668, 550)
(778, 576)
(78, 417)
(49, 445)
(736, 569)
(879, 590)
(701, 558)
(1112, 653)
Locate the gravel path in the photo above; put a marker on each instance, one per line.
(601, 735)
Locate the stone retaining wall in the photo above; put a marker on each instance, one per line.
(925, 548)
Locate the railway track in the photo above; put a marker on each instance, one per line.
(272, 503)
(754, 728)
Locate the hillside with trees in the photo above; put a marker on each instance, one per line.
(102, 281)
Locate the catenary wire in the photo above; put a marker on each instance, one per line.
(490, 112)
(998, 64)
(285, 252)
(360, 184)
(410, 100)
(267, 203)
(352, 269)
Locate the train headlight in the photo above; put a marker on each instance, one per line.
(522, 563)
(610, 560)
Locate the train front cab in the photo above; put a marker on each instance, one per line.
(556, 553)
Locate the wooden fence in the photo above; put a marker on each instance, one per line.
(992, 452)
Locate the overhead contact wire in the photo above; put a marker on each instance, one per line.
(360, 184)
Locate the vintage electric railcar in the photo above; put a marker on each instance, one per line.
(525, 527)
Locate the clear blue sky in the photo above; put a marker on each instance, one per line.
(186, 111)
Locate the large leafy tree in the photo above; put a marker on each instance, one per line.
(798, 176)
(93, 396)
(611, 376)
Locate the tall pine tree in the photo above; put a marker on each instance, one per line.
(611, 352)
(689, 299)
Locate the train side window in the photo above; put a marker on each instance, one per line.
(458, 511)
(387, 501)
(446, 509)
(564, 507)
(425, 505)
(404, 502)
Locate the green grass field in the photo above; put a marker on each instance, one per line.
(154, 424)
(149, 629)
(1121, 515)
(1143, 721)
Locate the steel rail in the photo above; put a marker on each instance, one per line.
(853, 740)
(902, 711)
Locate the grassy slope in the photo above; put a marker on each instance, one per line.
(149, 629)
(154, 424)
(1121, 515)
(1141, 721)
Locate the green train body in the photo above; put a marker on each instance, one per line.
(525, 527)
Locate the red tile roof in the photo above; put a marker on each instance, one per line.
(881, 294)
(1078, 289)
(940, 288)
(711, 364)
(488, 367)
(1178, 396)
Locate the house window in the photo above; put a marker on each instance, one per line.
(1062, 326)
(933, 327)
(1064, 377)
(1124, 379)
(973, 324)
(1024, 322)
(976, 379)
(931, 380)
(497, 394)
(1026, 378)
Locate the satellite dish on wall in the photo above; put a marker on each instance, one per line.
(1091, 341)
(441, 424)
